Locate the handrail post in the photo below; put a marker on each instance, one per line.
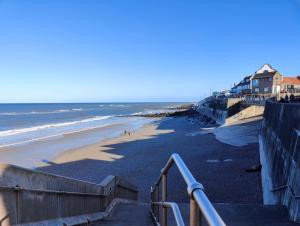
(164, 199)
(157, 200)
(152, 199)
(194, 213)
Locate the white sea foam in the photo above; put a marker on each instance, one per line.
(133, 125)
(46, 126)
(9, 113)
(38, 112)
(138, 113)
(44, 112)
(49, 137)
(118, 105)
(77, 109)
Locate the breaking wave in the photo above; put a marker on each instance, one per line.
(41, 112)
(47, 126)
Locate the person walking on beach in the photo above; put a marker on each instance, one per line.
(126, 132)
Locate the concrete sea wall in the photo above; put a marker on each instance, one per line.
(248, 112)
(218, 115)
(28, 196)
(279, 143)
(233, 111)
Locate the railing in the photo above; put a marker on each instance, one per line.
(175, 210)
(26, 203)
(199, 203)
(283, 187)
(258, 99)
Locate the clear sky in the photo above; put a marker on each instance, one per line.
(143, 50)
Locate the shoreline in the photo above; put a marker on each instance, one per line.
(90, 151)
(32, 154)
(19, 136)
(148, 129)
(35, 152)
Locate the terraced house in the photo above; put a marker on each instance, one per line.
(266, 80)
(290, 84)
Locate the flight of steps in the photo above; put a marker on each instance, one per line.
(129, 214)
(233, 215)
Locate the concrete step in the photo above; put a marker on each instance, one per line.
(248, 214)
(232, 214)
(129, 214)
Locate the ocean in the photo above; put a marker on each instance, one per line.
(26, 123)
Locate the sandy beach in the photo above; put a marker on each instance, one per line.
(34, 153)
(100, 151)
(139, 157)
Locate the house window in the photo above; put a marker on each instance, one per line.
(266, 89)
(256, 90)
(255, 82)
(270, 79)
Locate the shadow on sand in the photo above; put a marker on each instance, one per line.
(219, 167)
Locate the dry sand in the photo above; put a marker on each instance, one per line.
(100, 151)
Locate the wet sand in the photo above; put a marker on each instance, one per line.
(33, 154)
(139, 157)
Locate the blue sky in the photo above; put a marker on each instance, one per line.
(143, 50)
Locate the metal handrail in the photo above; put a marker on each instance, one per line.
(294, 196)
(175, 210)
(199, 203)
(17, 188)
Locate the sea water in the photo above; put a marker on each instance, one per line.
(26, 123)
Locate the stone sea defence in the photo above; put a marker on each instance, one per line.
(179, 111)
(215, 108)
(279, 143)
(228, 110)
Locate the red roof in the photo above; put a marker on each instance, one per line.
(291, 80)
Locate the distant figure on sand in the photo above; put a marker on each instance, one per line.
(126, 132)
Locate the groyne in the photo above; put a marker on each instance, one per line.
(279, 143)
